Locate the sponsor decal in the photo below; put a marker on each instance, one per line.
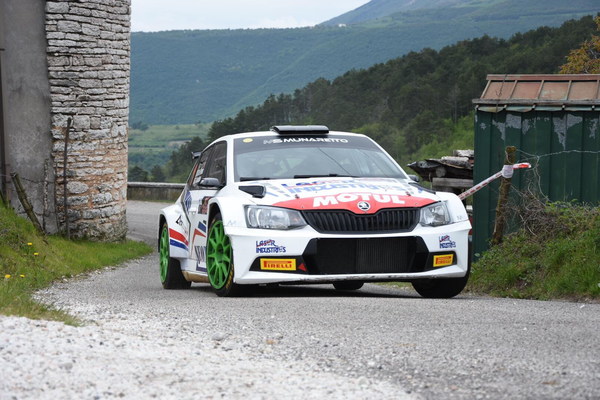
(443, 260)
(201, 257)
(304, 139)
(352, 197)
(351, 201)
(323, 185)
(446, 242)
(269, 247)
(179, 221)
(187, 200)
(177, 239)
(276, 191)
(278, 264)
(204, 205)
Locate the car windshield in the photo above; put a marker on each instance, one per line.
(286, 157)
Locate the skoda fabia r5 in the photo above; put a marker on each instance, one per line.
(303, 205)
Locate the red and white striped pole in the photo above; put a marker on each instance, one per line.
(506, 172)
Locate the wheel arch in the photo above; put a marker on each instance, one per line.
(161, 221)
(213, 209)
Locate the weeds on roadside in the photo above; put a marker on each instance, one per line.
(29, 262)
(555, 254)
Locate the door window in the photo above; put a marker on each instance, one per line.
(217, 167)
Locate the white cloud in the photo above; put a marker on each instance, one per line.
(158, 15)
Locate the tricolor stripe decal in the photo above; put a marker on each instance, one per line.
(199, 231)
(177, 239)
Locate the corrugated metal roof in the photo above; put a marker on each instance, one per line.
(548, 92)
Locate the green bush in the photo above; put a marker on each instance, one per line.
(555, 255)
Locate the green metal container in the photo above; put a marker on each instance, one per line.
(554, 122)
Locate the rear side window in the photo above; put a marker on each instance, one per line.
(199, 168)
(217, 165)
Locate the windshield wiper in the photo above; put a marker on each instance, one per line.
(253, 178)
(321, 176)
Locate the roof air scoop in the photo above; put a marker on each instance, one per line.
(300, 129)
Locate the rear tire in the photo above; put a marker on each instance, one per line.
(441, 288)
(170, 268)
(348, 285)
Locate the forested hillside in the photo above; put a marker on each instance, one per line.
(182, 77)
(411, 104)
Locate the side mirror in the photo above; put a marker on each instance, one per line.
(414, 178)
(210, 182)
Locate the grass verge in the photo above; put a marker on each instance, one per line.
(30, 261)
(555, 255)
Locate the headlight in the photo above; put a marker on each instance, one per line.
(273, 218)
(435, 215)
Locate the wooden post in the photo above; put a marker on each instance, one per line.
(505, 184)
(25, 202)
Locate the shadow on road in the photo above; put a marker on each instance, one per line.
(287, 291)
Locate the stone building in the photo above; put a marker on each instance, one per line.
(64, 93)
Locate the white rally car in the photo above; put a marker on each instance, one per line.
(302, 205)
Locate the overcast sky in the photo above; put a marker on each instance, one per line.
(161, 15)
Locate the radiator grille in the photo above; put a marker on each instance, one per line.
(341, 221)
(368, 256)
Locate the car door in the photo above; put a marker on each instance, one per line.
(208, 179)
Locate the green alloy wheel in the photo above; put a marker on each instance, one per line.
(219, 260)
(170, 269)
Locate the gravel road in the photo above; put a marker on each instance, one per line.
(141, 341)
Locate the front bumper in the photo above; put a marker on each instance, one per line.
(306, 256)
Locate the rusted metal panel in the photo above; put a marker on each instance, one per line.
(499, 90)
(584, 90)
(553, 90)
(526, 90)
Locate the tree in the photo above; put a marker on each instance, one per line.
(139, 125)
(137, 174)
(586, 59)
(157, 174)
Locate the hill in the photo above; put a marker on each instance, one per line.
(412, 104)
(376, 9)
(191, 76)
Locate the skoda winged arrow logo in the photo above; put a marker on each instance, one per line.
(364, 206)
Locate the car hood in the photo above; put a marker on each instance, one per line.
(359, 195)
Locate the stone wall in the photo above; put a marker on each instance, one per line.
(88, 65)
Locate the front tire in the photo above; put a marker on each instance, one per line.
(170, 268)
(219, 260)
(444, 288)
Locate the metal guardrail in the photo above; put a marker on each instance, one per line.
(154, 191)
